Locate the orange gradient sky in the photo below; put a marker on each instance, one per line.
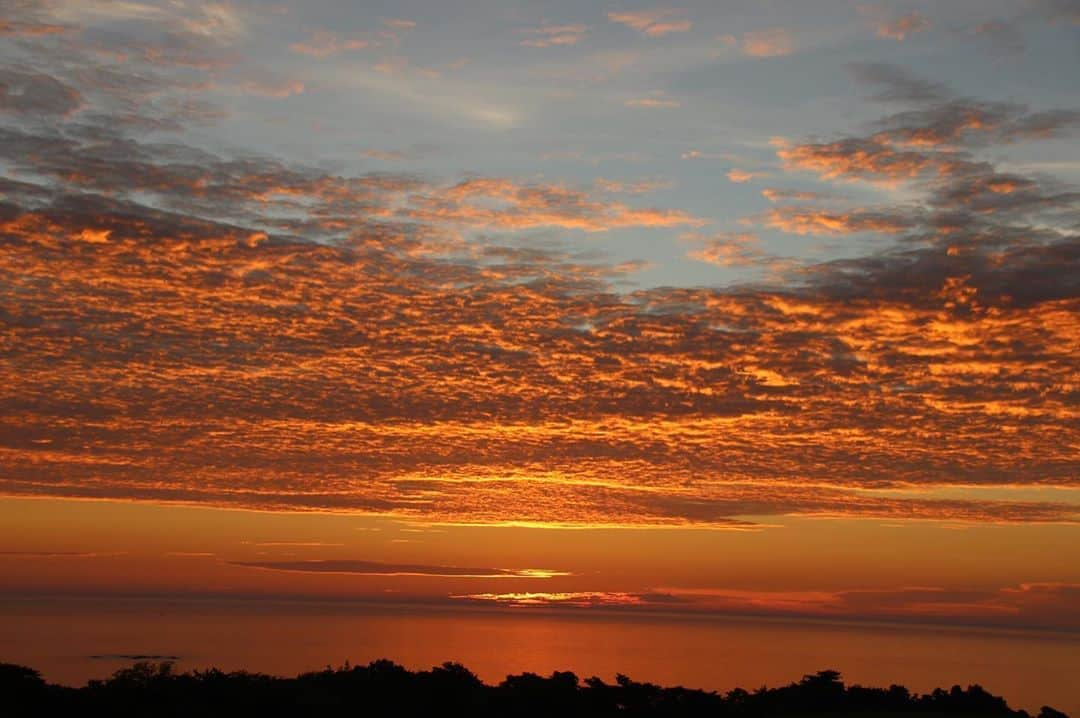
(696, 310)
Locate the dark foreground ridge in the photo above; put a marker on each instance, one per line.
(384, 688)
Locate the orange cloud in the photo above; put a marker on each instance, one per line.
(552, 400)
(323, 44)
(654, 23)
(770, 42)
(578, 599)
(857, 158)
(1050, 604)
(554, 35)
(731, 250)
(899, 28)
(183, 327)
(739, 176)
(638, 187)
(31, 29)
(282, 89)
(813, 221)
(775, 194)
(652, 102)
(503, 204)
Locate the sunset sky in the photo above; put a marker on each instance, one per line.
(718, 307)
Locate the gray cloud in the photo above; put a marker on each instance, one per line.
(897, 84)
(32, 93)
(377, 568)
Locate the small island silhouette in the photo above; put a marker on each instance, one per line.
(383, 688)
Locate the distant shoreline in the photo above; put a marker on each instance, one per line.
(245, 603)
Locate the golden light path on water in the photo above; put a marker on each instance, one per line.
(74, 640)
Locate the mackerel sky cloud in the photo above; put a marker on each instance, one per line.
(333, 317)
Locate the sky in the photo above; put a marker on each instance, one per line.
(752, 308)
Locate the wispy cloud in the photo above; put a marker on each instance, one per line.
(901, 27)
(413, 152)
(1059, 10)
(797, 220)
(278, 89)
(655, 102)
(634, 187)
(741, 176)
(398, 23)
(60, 554)
(655, 22)
(778, 194)
(767, 42)
(999, 36)
(898, 85)
(31, 29)
(498, 203)
(376, 568)
(554, 35)
(221, 21)
(733, 249)
(577, 599)
(324, 43)
(1046, 604)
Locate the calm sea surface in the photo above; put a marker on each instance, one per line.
(71, 641)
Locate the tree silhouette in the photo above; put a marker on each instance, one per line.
(384, 688)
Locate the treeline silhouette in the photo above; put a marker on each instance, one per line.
(383, 688)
